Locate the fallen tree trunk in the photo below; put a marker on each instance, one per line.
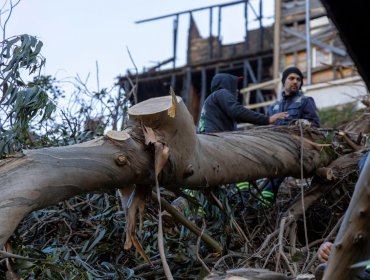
(44, 177)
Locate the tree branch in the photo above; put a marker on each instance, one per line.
(45, 177)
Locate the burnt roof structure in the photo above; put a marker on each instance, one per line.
(259, 58)
(252, 58)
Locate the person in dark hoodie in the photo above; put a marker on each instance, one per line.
(221, 110)
(298, 107)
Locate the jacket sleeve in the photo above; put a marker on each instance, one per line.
(270, 110)
(310, 112)
(230, 105)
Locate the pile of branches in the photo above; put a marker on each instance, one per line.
(83, 237)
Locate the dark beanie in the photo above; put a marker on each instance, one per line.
(291, 70)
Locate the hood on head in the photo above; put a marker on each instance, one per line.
(225, 81)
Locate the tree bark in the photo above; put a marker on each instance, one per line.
(44, 177)
(352, 244)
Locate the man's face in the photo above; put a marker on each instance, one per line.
(292, 84)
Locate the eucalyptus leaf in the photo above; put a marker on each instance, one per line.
(101, 233)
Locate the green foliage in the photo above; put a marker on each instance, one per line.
(28, 115)
(84, 241)
(83, 238)
(21, 103)
(339, 115)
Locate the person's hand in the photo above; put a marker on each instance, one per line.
(278, 116)
(324, 251)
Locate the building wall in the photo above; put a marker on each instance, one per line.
(337, 92)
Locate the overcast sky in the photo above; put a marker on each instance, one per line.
(78, 33)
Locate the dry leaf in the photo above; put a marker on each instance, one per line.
(172, 109)
(133, 200)
(161, 155)
(149, 135)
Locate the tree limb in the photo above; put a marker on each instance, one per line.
(47, 176)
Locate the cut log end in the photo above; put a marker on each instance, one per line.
(153, 106)
(325, 173)
(118, 135)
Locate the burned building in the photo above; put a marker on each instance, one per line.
(265, 51)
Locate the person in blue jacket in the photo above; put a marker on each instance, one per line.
(222, 111)
(293, 101)
(298, 107)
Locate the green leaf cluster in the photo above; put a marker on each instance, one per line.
(334, 117)
(21, 103)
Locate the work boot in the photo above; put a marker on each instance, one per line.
(266, 199)
(243, 192)
(243, 186)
